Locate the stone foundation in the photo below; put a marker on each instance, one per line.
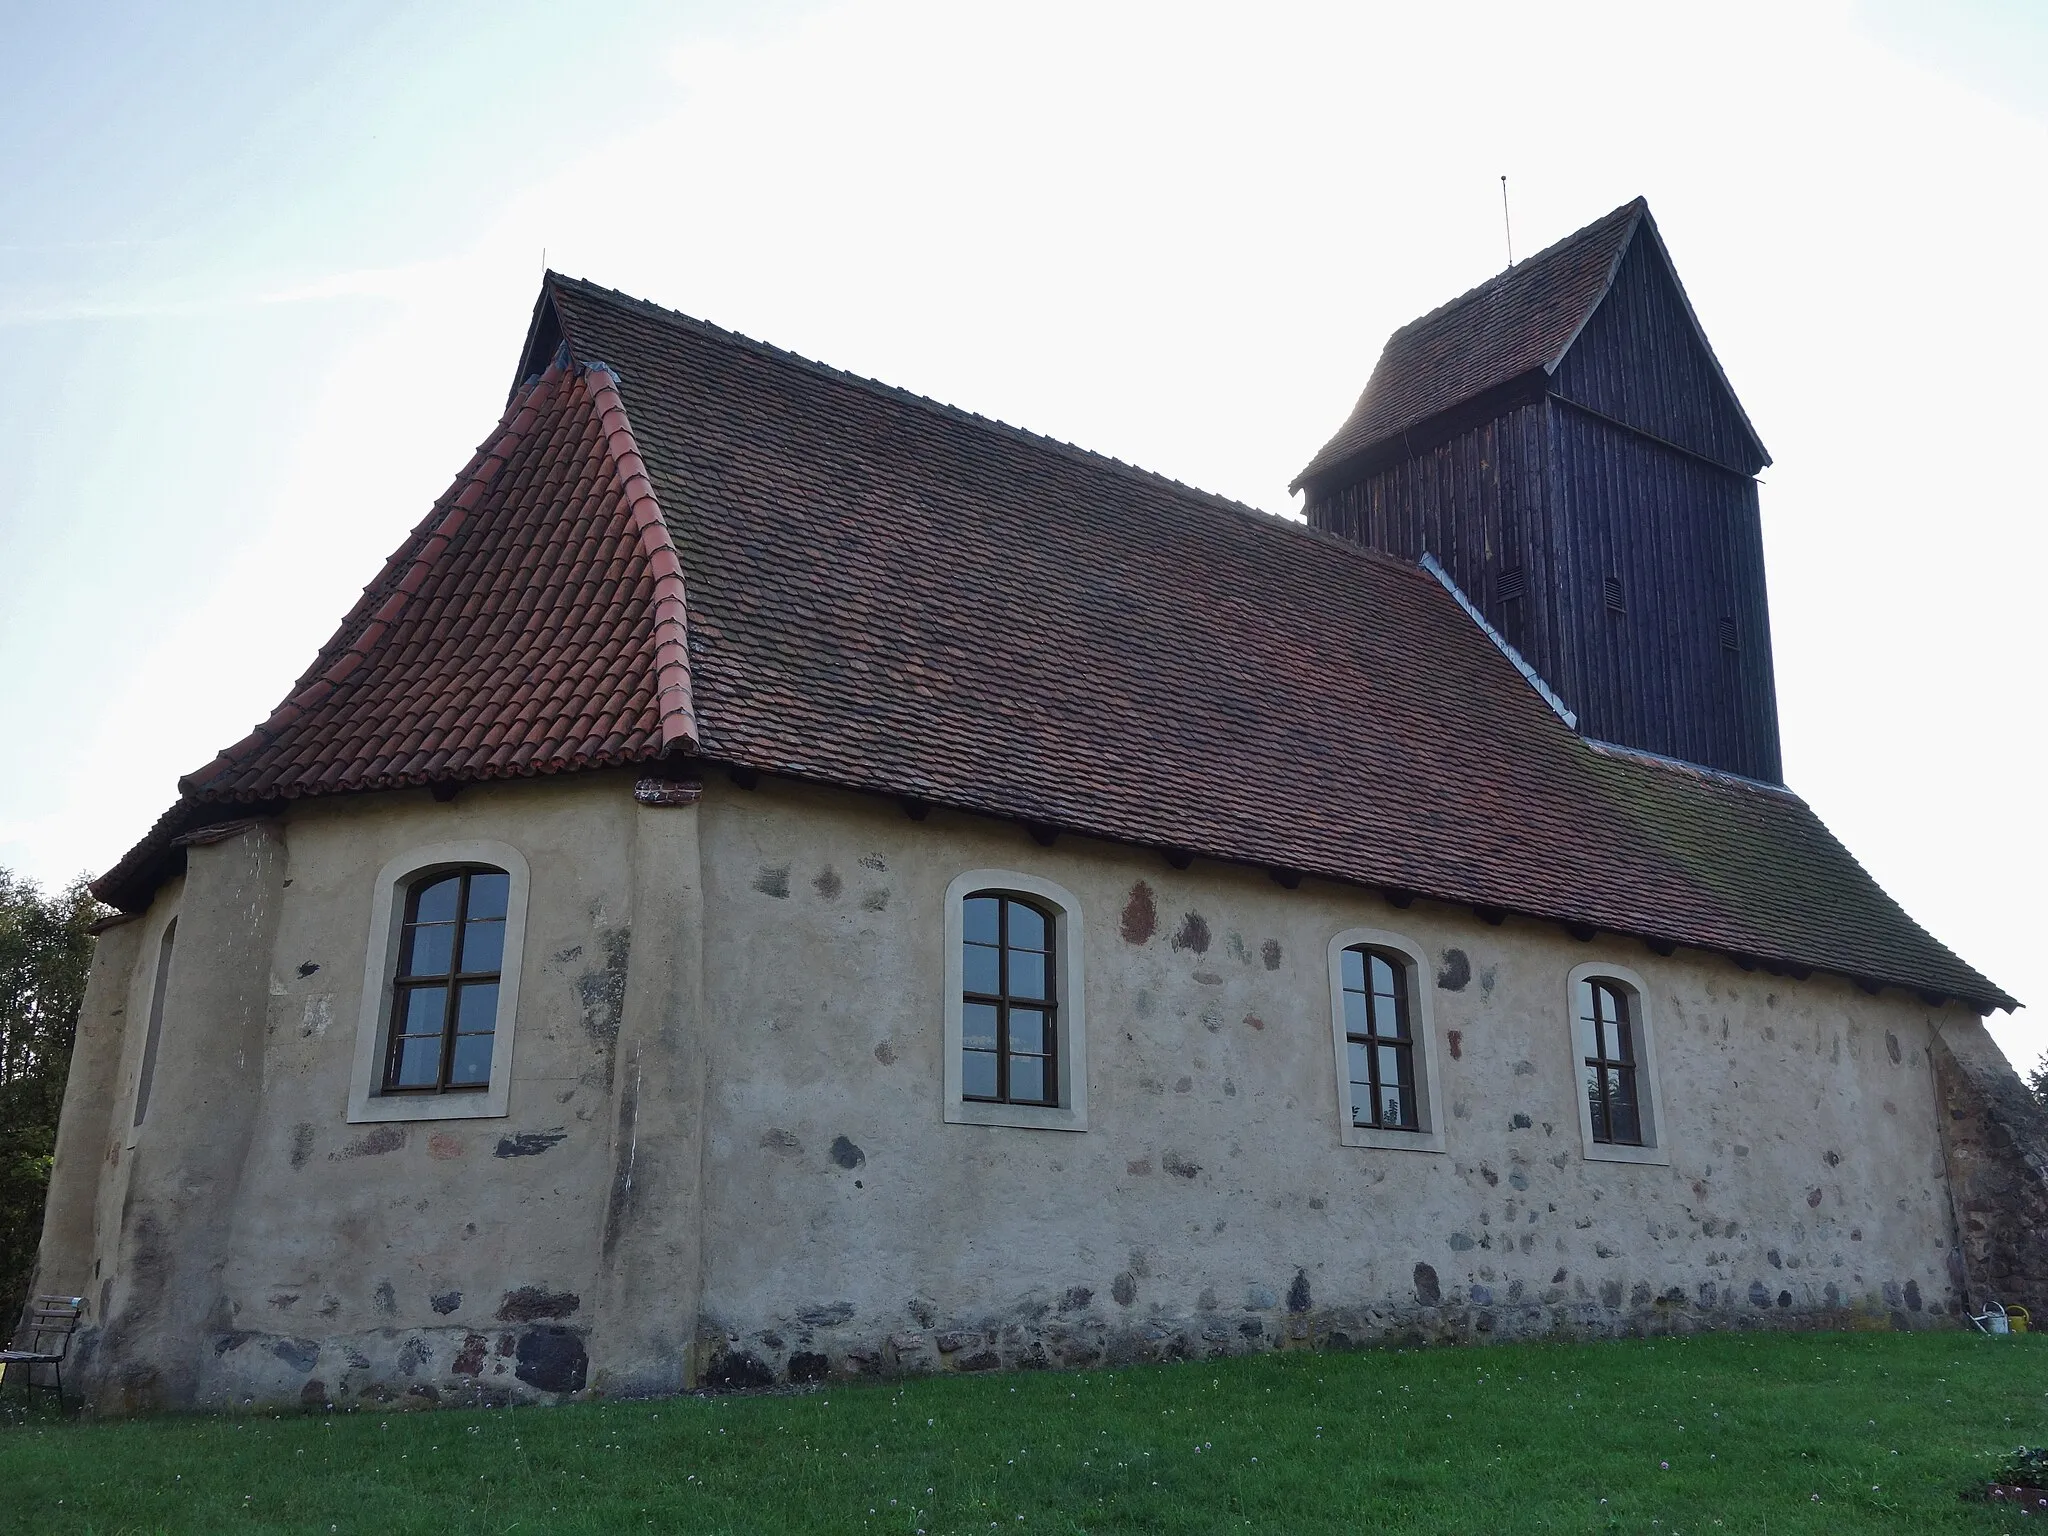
(1074, 1334)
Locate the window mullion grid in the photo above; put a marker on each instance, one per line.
(1404, 1058)
(1604, 1129)
(1372, 1041)
(394, 1046)
(450, 1004)
(1625, 1053)
(1003, 1000)
(1608, 1066)
(1049, 1017)
(1395, 1039)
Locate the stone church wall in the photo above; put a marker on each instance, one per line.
(1210, 1205)
(725, 1158)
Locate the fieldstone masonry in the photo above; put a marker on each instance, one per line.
(724, 1162)
(1995, 1136)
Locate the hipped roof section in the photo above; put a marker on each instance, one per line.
(1516, 325)
(894, 596)
(533, 623)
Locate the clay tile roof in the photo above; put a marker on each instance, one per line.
(1514, 325)
(891, 595)
(534, 622)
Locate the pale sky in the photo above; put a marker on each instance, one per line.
(265, 271)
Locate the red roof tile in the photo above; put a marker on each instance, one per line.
(895, 596)
(533, 623)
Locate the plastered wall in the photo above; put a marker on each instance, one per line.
(725, 1158)
(1210, 1205)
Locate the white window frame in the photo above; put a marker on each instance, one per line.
(366, 1103)
(1421, 1024)
(1070, 1018)
(1655, 1150)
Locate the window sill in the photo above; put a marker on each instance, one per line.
(1605, 1152)
(1392, 1141)
(1023, 1117)
(440, 1106)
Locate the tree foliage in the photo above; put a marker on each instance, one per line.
(45, 952)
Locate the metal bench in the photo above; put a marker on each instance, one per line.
(47, 1324)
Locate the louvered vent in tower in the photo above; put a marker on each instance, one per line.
(1730, 640)
(1616, 603)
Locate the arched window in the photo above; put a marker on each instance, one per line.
(1614, 1049)
(1009, 1016)
(1381, 1047)
(1016, 1042)
(1612, 1100)
(1385, 1034)
(441, 985)
(444, 1006)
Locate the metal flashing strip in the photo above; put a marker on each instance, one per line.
(1698, 770)
(1429, 564)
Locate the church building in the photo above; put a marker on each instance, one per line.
(778, 878)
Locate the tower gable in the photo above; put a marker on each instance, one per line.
(1564, 443)
(1642, 360)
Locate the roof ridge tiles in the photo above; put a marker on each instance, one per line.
(1635, 208)
(717, 332)
(671, 627)
(1286, 524)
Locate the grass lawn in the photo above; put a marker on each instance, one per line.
(1721, 1433)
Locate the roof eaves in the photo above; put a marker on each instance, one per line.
(1779, 960)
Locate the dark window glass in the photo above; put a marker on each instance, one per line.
(438, 902)
(1009, 1018)
(444, 1008)
(419, 1060)
(488, 893)
(431, 949)
(981, 968)
(1028, 974)
(426, 1009)
(1606, 1016)
(1382, 1050)
(984, 919)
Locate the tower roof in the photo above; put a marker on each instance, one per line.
(1517, 325)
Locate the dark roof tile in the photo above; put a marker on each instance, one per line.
(1518, 322)
(891, 595)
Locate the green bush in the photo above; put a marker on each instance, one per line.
(45, 952)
